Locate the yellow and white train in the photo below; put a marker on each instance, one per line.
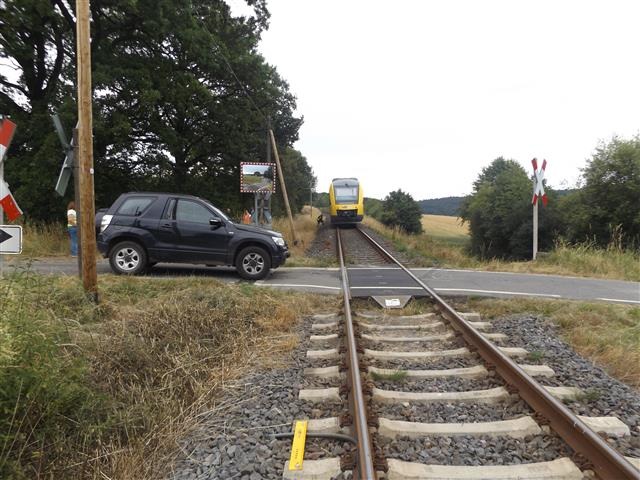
(346, 202)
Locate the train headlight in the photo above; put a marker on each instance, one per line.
(278, 241)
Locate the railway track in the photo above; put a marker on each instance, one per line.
(388, 394)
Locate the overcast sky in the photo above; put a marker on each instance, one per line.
(421, 95)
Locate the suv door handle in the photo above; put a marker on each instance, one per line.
(166, 226)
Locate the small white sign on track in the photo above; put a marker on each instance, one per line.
(10, 239)
(392, 302)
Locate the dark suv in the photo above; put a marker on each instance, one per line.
(143, 228)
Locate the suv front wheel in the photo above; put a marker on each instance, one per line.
(253, 263)
(128, 258)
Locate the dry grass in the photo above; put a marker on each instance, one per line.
(423, 249)
(581, 260)
(45, 240)
(155, 354)
(306, 227)
(608, 335)
(445, 228)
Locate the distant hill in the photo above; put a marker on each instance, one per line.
(450, 206)
(441, 206)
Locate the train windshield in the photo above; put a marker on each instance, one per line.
(346, 194)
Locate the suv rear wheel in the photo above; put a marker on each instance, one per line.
(128, 258)
(253, 263)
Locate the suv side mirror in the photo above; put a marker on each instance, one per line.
(215, 222)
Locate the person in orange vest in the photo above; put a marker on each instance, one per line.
(246, 217)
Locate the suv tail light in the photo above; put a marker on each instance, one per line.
(104, 223)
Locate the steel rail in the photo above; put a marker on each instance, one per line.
(608, 463)
(365, 469)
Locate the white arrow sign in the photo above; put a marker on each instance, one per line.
(10, 239)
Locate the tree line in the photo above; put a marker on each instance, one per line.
(181, 97)
(604, 211)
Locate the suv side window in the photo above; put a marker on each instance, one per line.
(135, 205)
(188, 211)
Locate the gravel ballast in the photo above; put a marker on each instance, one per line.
(235, 440)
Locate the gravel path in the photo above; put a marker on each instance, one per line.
(323, 246)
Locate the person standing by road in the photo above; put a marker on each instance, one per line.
(246, 217)
(72, 227)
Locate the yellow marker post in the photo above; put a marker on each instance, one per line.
(297, 446)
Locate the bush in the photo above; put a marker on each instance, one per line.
(606, 209)
(499, 213)
(401, 210)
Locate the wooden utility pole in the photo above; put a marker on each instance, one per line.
(86, 209)
(284, 187)
(76, 193)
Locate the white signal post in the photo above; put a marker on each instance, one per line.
(538, 193)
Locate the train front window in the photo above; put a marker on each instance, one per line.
(346, 194)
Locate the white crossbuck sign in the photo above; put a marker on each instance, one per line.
(538, 185)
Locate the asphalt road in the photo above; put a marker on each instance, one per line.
(327, 280)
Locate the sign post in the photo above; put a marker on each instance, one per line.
(284, 187)
(538, 193)
(259, 179)
(7, 202)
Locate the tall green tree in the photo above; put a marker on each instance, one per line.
(181, 96)
(299, 179)
(499, 213)
(37, 41)
(607, 208)
(401, 210)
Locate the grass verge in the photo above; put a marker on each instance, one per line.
(45, 240)
(607, 334)
(107, 391)
(451, 252)
(306, 227)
